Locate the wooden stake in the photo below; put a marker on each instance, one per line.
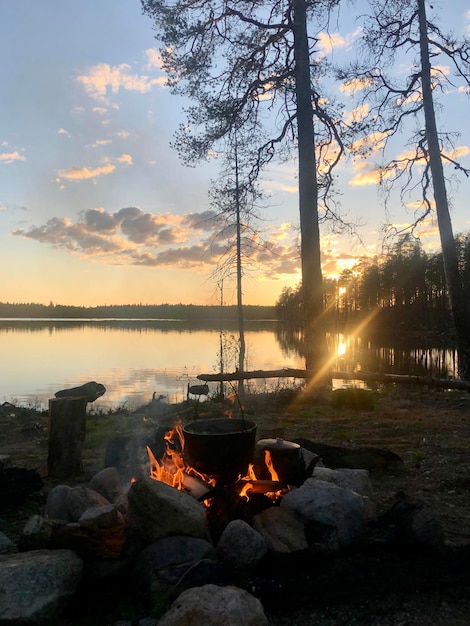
(67, 427)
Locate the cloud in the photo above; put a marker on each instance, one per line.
(154, 59)
(62, 131)
(102, 80)
(78, 174)
(84, 173)
(125, 159)
(329, 42)
(11, 157)
(131, 236)
(355, 84)
(357, 114)
(370, 144)
(369, 174)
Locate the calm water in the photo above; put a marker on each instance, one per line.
(135, 358)
(132, 359)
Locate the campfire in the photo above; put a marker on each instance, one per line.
(218, 463)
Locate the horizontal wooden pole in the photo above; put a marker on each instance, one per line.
(443, 383)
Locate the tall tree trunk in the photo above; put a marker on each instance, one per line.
(457, 297)
(241, 323)
(312, 297)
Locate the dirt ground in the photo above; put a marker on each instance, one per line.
(429, 429)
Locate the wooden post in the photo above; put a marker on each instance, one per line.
(67, 427)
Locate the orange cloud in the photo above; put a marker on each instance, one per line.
(125, 159)
(102, 79)
(11, 157)
(84, 173)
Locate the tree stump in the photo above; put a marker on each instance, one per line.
(67, 428)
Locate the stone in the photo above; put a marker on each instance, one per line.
(108, 484)
(79, 499)
(156, 510)
(241, 546)
(212, 605)
(357, 480)
(34, 586)
(281, 530)
(344, 513)
(56, 503)
(101, 517)
(162, 564)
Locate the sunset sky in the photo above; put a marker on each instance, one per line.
(95, 206)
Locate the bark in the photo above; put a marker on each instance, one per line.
(315, 342)
(241, 325)
(66, 436)
(457, 296)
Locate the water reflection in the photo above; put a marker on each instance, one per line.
(353, 353)
(134, 358)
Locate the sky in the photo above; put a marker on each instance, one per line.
(96, 207)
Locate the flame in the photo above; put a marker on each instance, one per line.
(269, 464)
(172, 470)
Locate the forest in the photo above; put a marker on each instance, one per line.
(403, 292)
(184, 312)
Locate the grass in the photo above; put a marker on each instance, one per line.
(354, 398)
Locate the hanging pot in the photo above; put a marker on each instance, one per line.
(220, 447)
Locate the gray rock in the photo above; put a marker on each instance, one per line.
(281, 530)
(40, 532)
(357, 480)
(108, 484)
(34, 586)
(56, 503)
(161, 565)
(344, 511)
(101, 517)
(241, 546)
(215, 606)
(79, 499)
(156, 510)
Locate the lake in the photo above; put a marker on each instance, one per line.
(131, 358)
(135, 358)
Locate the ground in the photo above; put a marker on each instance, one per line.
(429, 429)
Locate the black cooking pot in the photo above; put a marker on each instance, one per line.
(221, 447)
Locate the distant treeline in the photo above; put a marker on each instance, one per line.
(188, 312)
(402, 292)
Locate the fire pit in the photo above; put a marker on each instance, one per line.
(220, 447)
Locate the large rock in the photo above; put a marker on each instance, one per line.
(35, 586)
(215, 606)
(108, 483)
(241, 546)
(161, 565)
(357, 480)
(156, 510)
(281, 529)
(79, 499)
(344, 514)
